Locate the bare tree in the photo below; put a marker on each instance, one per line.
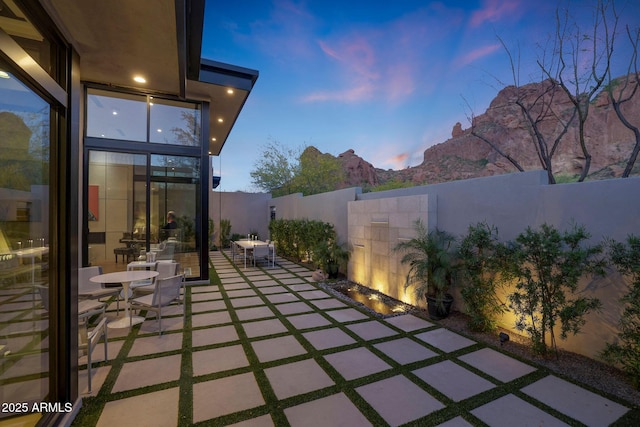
(572, 49)
(546, 125)
(621, 91)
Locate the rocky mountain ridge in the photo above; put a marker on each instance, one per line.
(466, 156)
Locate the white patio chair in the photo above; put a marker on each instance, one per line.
(87, 338)
(164, 269)
(260, 252)
(89, 290)
(165, 292)
(90, 337)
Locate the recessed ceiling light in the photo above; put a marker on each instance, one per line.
(159, 130)
(139, 79)
(4, 75)
(115, 113)
(230, 91)
(213, 139)
(209, 152)
(220, 120)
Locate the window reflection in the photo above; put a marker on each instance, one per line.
(174, 122)
(116, 116)
(24, 238)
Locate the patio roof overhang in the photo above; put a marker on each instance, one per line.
(161, 41)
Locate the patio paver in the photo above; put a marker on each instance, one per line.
(277, 348)
(285, 379)
(356, 363)
(496, 364)
(509, 411)
(445, 340)
(335, 410)
(453, 380)
(160, 409)
(223, 396)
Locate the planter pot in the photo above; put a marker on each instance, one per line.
(439, 311)
(332, 271)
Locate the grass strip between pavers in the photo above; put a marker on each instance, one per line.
(92, 406)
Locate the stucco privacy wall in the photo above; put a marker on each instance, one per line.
(608, 208)
(246, 211)
(328, 207)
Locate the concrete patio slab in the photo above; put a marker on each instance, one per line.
(398, 400)
(236, 286)
(231, 282)
(292, 281)
(151, 325)
(453, 380)
(113, 349)
(262, 328)
(263, 421)
(328, 338)
(148, 372)
(324, 304)
(155, 344)
(241, 293)
(261, 283)
(347, 315)
(273, 290)
(160, 409)
(445, 340)
(206, 296)
(405, 351)
(408, 323)
(456, 422)
(98, 377)
(308, 321)
(210, 319)
(371, 330)
(210, 336)
(254, 313)
(308, 295)
(224, 396)
(279, 298)
(302, 287)
(578, 403)
(283, 275)
(285, 379)
(196, 289)
(201, 307)
(496, 364)
(356, 363)
(509, 411)
(277, 348)
(292, 308)
(246, 302)
(335, 410)
(218, 360)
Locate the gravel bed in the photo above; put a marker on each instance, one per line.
(580, 368)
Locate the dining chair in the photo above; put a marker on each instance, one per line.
(272, 253)
(260, 252)
(165, 292)
(89, 337)
(164, 269)
(90, 290)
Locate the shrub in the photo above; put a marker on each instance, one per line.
(482, 256)
(626, 352)
(225, 231)
(545, 265)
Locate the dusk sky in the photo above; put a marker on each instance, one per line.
(386, 79)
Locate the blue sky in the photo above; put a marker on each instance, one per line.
(386, 79)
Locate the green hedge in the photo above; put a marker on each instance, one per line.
(296, 238)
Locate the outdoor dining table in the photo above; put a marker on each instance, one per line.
(125, 277)
(246, 246)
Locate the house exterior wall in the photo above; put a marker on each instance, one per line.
(247, 212)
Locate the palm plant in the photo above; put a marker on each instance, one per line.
(432, 260)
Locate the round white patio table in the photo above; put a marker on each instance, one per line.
(125, 277)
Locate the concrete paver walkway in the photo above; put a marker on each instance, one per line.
(267, 347)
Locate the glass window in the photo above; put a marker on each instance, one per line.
(175, 166)
(116, 115)
(15, 23)
(173, 122)
(24, 243)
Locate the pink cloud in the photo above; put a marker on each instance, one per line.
(493, 11)
(476, 54)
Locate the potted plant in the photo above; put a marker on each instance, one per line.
(432, 260)
(330, 256)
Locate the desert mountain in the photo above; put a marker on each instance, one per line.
(466, 156)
